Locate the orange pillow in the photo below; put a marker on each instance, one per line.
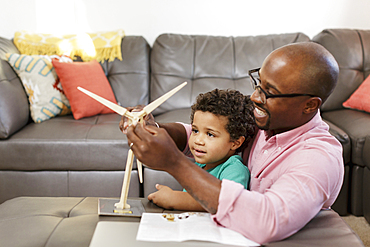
(89, 75)
(360, 99)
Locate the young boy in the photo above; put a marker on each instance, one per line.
(222, 126)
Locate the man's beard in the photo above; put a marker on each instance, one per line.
(266, 126)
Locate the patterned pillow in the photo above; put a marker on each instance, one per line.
(45, 93)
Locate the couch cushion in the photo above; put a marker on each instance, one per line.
(14, 109)
(178, 115)
(153, 177)
(207, 62)
(63, 143)
(351, 49)
(129, 78)
(66, 183)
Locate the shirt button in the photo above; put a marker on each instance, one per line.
(265, 152)
(279, 148)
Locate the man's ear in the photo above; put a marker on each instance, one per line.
(312, 105)
(237, 143)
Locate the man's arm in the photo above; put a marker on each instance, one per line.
(177, 133)
(201, 185)
(156, 149)
(297, 193)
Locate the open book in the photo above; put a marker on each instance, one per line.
(162, 227)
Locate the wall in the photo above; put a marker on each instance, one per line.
(150, 18)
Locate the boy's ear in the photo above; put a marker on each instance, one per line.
(237, 143)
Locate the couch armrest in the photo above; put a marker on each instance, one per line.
(14, 109)
(343, 138)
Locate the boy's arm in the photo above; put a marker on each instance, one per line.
(167, 198)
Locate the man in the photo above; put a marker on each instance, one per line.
(296, 165)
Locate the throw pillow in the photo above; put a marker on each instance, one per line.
(360, 99)
(42, 86)
(88, 75)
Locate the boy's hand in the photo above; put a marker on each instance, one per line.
(163, 197)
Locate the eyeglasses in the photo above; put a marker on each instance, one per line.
(263, 95)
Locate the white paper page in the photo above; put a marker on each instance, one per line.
(199, 227)
(188, 226)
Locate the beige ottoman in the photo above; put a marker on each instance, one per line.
(71, 221)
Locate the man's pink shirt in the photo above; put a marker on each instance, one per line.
(294, 175)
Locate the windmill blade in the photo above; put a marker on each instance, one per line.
(114, 107)
(149, 108)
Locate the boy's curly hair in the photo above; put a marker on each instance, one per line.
(238, 108)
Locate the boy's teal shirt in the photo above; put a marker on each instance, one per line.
(233, 169)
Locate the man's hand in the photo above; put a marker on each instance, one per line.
(125, 122)
(154, 147)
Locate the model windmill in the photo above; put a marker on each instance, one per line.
(135, 117)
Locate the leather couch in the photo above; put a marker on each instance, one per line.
(63, 156)
(86, 157)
